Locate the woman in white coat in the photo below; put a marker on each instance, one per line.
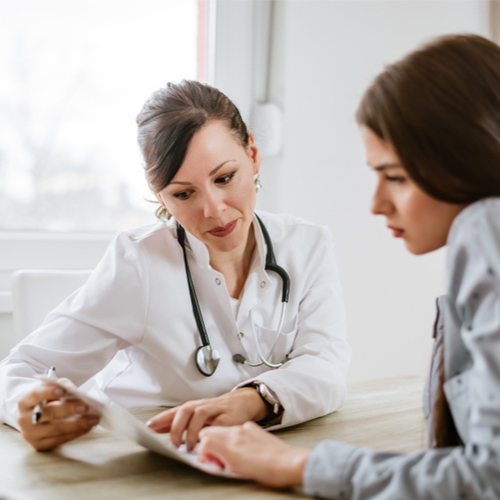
(431, 128)
(130, 333)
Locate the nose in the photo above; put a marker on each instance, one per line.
(213, 204)
(381, 204)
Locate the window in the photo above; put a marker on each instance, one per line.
(74, 77)
(78, 74)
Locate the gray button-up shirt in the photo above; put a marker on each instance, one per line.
(468, 328)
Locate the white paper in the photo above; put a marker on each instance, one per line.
(124, 425)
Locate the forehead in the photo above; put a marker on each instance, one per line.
(212, 139)
(209, 147)
(378, 151)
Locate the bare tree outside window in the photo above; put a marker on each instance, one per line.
(74, 76)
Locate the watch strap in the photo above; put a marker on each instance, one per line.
(275, 410)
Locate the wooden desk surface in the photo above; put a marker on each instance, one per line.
(382, 414)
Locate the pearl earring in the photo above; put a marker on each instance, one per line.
(258, 184)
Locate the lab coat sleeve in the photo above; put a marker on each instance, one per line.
(86, 330)
(312, 382)
(338, 470)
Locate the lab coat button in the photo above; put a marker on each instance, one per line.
(240, 335)
(218, 281)
(262, 284)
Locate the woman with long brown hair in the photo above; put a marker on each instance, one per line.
(431, 128)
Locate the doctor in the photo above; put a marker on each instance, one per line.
(190, 312)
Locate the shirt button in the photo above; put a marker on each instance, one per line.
(218, 281)
(240, 335)
(262, 284)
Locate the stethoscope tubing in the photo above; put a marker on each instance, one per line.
(265, 360)
(271, 265)
(198, 316)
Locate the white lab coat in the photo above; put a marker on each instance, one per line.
(130, 335)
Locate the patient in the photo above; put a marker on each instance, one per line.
(431, 128)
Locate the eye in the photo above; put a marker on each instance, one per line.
(183, 195)
(224, 179)
(396, 179)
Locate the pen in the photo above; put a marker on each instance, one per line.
(38, 409)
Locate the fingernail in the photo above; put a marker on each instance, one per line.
(59, 392)
(93, 421)
(151, 423)
(189, 447)
(81, 409)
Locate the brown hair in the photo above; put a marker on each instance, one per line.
(439, 107)
(170, 118)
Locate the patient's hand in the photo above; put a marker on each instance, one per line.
(61, 421)
(233, 408)
(254, 453)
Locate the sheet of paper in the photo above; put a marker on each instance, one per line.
(124, 425)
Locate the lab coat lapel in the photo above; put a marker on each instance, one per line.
(198, 256)
(258, 280)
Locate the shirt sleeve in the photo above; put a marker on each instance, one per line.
(312, 382)
(344, 471)
(338, 470)
(86, 330)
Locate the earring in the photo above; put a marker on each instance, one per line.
(163, 214)
(258, 184)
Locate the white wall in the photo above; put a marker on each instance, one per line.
(331, 51)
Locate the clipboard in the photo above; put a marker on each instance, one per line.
(124, 425)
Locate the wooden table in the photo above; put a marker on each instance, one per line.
(382, 414)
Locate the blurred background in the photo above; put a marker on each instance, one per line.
(75, 75)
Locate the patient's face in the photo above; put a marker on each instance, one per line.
(421, 221)
(213, 194)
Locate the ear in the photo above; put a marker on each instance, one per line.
(253, 152)
(160, 199)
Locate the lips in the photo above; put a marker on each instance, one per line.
(396, 232)
(222, 231)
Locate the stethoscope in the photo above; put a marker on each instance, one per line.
(206, 357)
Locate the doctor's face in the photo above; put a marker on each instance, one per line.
(421, 221)
(213, 194)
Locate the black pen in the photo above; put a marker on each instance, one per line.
(38, 409)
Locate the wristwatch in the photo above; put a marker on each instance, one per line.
(275, 410)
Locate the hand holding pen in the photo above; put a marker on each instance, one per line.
(38, 410)
(47, 418)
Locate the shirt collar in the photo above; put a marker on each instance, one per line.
(202, 257)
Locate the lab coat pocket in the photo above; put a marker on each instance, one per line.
(283, 345)
(458, 396)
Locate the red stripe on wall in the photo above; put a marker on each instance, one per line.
(202, 41)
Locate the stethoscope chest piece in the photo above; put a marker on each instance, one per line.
(207, 359)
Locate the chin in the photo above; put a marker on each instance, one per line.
(226, 244)
(421, 249)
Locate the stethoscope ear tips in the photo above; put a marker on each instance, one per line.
(238, 358)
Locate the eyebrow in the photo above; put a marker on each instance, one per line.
(212, 172)
(381, 168)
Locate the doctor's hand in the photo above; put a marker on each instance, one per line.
(254, 453)
(232, 408)
(61, 420)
